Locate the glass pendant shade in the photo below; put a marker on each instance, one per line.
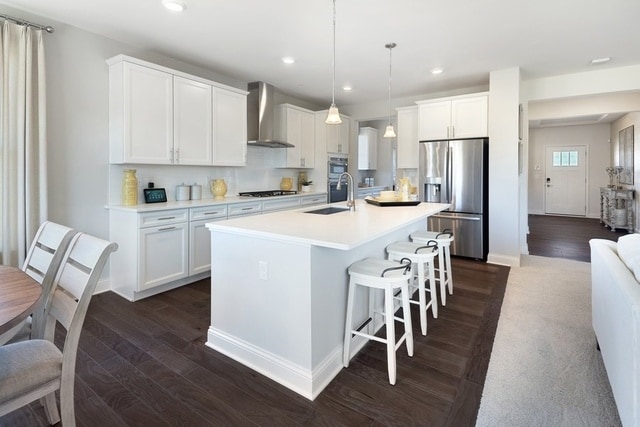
(389, 132)
(333, 117)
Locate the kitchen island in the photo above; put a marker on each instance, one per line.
(279, 285)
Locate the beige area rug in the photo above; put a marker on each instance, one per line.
(544, 368)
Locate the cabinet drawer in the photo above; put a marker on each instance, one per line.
(313, 200)
(208, 212)
(250, 208)
(280, 204)
(154, 219)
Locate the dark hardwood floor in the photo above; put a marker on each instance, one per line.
(145, 363)
(566, 237)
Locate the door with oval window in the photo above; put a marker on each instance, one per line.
(566, 180)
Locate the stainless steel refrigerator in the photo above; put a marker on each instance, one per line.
(456, 172)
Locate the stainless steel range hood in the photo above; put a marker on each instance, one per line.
(260, 117)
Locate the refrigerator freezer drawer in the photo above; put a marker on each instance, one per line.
(468, 239)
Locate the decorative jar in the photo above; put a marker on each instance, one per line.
(129, 187)
(286, 184)
(218, 188)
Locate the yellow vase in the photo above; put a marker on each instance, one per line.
(218, 188)
(286, 184)
(129, 187)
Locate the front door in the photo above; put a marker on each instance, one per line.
(566, 180)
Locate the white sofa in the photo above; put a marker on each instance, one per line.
(615, 293)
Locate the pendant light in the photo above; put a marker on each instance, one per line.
(389, 132)
(333, 117)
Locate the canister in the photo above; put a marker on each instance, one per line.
(182, 192)
(196, 192)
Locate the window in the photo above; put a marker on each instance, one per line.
(565, 158)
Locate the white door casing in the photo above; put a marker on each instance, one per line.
(566, 180)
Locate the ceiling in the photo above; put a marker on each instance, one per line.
(246, 39)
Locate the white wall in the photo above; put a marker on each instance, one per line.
(595, 137)
(504, 201)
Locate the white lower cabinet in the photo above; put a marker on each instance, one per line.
(163, 255)
(200, 237)
(161, 250)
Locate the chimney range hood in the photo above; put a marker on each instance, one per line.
(260, 117)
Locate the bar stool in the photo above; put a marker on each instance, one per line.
(444, 239)
(388, 276)
(420, 255)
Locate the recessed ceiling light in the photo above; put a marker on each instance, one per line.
(437, 71)
(174, 5)
(288, 60)
(346, 88)
(600, 60)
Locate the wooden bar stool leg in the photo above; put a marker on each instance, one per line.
(433, 287)
(406, 315)
(442, 270)
(449, 270)
(391, 335)
(346, 354)
(422, 298)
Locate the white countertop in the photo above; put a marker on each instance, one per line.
(152, 207)
(343, 230)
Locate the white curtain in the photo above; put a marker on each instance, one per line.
(23, 160)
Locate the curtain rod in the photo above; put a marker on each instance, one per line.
(47, 28)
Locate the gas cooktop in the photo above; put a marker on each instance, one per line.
(267, 193)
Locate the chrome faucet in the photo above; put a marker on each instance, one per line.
(351, 200)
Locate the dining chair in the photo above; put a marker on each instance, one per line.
(36, 368)
(41, 263)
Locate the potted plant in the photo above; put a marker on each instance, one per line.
(306, 186)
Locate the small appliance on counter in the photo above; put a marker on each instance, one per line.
(154, 195)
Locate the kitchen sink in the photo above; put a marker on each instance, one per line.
(327, 211)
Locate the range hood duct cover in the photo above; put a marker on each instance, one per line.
(260, 117)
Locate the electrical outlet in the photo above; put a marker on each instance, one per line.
(263, 270)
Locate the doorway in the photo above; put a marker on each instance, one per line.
(566, 180)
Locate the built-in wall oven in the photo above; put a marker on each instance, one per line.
(336, 166)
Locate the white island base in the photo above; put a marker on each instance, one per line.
(279, 286)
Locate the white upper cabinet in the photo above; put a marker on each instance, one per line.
(368, 148)
(407, 138)
(229, 128)
(456, 117)
(297, 126)
(140, 114)
(192, 122)
(162, 116)
(335, 137)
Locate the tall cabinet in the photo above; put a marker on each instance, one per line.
(297, 126)
(407, 138)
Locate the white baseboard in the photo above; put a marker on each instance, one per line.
(509, 261)
(307, 383)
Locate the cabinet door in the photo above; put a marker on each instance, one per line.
(199, 247)
(147, 115)
(192, 122)
(292, 135)
(163, 255)
(434, 120)
(368, 149)
(307, 140)
(408, 138)
(229, 128)
(336, 136)
(469, 117)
